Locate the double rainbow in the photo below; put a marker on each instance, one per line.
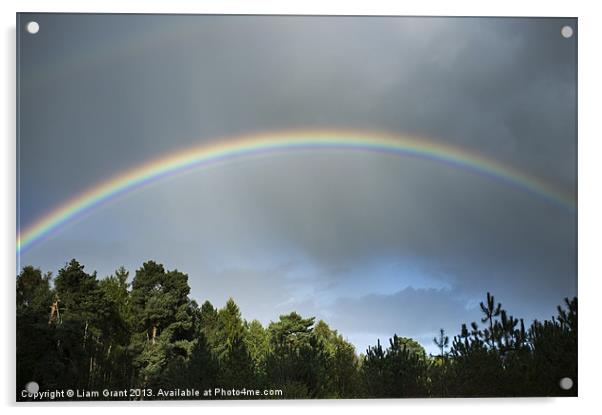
(273, 143)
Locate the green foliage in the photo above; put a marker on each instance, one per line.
(208, 322)
(163, 338)
(442, 342)
(116, 288)
(34, 298)
(257, 341)
(81, 332)
(506, 359)
(554, 346)
(396, 372)
(33, 291)
(230, 348)
(342, 364)
(294, 359)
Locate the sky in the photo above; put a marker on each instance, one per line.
(373, 244)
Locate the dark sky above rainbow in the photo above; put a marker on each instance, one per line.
(374, 242)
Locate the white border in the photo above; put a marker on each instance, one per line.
(590, 203)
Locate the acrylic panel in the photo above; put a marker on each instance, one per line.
(291, 207)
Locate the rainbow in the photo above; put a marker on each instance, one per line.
(227, 149)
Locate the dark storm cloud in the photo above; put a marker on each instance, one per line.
(296, 231)
(498, 86)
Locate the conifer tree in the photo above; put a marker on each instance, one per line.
(236, 365)
(164, 333)
(257, 342)
(491, 310)
(442, 342)
(36, 357)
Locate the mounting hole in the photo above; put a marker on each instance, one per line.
(566, 383)
(32, 387)
(566, 32)
(32, 27)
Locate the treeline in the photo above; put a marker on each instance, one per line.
(80, 332)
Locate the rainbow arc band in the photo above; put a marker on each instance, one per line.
(227, 149)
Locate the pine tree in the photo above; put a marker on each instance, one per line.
(88, 322)
(164, 332)
(119, 366)
(36, 356)
(442, 342)
(491, 310)
(297, 357)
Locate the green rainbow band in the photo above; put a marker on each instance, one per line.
(244, 146)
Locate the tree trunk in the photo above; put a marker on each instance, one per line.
(154, 333)
(85, 334)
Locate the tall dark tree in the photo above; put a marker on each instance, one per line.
(375, 372)
(85, 321)
(342, 365)
(164, 332)
(257, 341)
(297, 360)
(118, 369)
(236, 365)
(554, 345)
(399, 371)
(491, 311)
(442, 341)
(33, 291)
(200, 370)
(36, 359)
(208, 322)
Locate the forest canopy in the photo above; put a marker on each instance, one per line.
(78, 331)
